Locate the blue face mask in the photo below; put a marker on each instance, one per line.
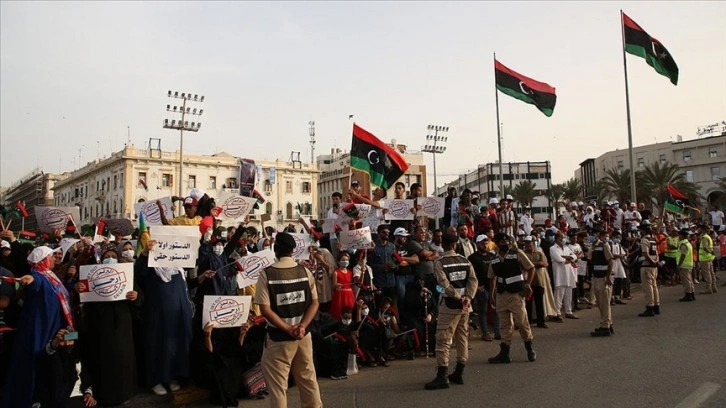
(551, 238)
(343, 264)
(591, 238)
(110, 261)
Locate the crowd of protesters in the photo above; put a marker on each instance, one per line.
(375, 305)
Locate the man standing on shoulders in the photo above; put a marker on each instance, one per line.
(685, 265)
(649, 271)
(456, 276)
(602, 283)
(507, 276)
(288, 300)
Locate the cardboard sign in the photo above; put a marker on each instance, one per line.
(151, 210)
(176, 246)
(119, 226)
(265, 217)
(357, 239)
(302, 242)
(432, 207)
(106, 283)
(399, 210)
(251, 265)
(234, 206)
(52, 218)
(226, 311)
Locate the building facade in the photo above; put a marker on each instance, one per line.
(335, 175)
(33, 189)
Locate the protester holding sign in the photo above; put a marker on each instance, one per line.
(190, 216)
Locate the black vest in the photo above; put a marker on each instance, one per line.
(599, 261)
(456, 269)
(652, 251)
(508, 272)
(290, 297)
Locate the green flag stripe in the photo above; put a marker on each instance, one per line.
(363, 165)
(524, 98)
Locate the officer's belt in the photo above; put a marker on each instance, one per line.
(513, 279)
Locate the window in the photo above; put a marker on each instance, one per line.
(306, 187)
(268, 208)
(712, 153)
(689, 176)
(142, 179)
(288, 209)
(121, 180)
(192, 181)
(166, 180)
(687, 155)
(213, 182)
(716, 173)
(98, 185)
(621, 165)
(230, 183)
(641, 162)
(115, 182)
(268, 186)
(662, 159)
(288, 188)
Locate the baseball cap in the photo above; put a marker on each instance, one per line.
(190, 201)
(4, 244)
(481, 238)
(509, 197)
(355, 183)
(493, 200)
(400, 232)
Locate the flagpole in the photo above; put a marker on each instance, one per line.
(350, 170)
(627, 109)
(499, 136)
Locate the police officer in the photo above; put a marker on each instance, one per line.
(649, 271)
(511, 274)
(456, 276)
(705, 260)
(288, 300)
(602, 282)
(685, 265)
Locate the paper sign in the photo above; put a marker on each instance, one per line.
(234, 206)
(106, 283)
(265, 217)
(357, 239)
(302, 242)
(252, 265)
(151, 210)
(226, 311)
(399, 210)
(176, 246)
(53, 218)
(329, 225)
(432, 207)
(119, 226)
(66, 244)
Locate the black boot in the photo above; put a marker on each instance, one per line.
(686, 298)
(656, 309)
(693, 296)
(612, 331)
(601, 332)
(456, 376)
(648, 312)
(531, 355)
(441, 381)
(503, 356)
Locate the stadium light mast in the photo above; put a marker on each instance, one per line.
(183, 124)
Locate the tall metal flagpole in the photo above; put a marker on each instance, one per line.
(499, 136)
(627, 108)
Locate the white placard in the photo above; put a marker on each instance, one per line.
(234, 206)
(52, 218)
(226, 311)
(302, 242)
(66, 244)
(329, 225)
(251, 266)
(151, 210)
(399, 210)
(432, 207)
(176, 246)
(106, 283)
(357, 239)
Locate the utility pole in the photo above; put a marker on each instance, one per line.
(435, 148)
(312, 141)
(183, 124)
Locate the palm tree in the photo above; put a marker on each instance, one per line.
(617, 184)
(524, 193)
(653, 179)
(572, 189)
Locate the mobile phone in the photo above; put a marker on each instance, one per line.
(71, 336)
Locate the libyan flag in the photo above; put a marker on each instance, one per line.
(525, 89)
(369, 154)
(676, 202)
(640, 43)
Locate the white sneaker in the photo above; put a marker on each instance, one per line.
(159, 390)
(174, 386)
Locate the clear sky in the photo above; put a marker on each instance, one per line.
(75, 75)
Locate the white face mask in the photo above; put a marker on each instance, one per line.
(110, 261)
(218, 249)
(266, 247)
(346, 321)
(364, 311)
(128, 254)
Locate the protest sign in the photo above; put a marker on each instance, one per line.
(52, 218)
(302, 242)
(234, 206)
(176, 246)
(357, 239)
(106, 282)
(251, 265)
(399, 210)
(226, 311)
(432, 207)
(247, 177)
(66, 244)
(151, 210)
(119, 226)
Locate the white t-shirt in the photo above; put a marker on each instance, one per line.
(716, 217)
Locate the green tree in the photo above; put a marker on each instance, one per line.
(617, 184)
(524, 193)
(572, 190)
(651, 182)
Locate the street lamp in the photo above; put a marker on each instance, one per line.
(434, 146)
(312, 141)
(183, 124)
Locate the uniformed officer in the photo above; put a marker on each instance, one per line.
(602, 282)
(685, 265)
(456, 276)
(705, 261)
(288, 300)
(510, 275)
(649, 271)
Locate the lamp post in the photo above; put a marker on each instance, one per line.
(312, 141)
(183, 124)
(434, 146)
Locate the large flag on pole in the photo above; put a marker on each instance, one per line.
(640, 43)
(369, 154)
(525, 89)
(676, 202)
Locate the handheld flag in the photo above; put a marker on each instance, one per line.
(370, 155)
(525, 89)
(640, 43)
(21, 207)
(676, 202)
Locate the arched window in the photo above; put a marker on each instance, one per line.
(288, 211)
(268, 208)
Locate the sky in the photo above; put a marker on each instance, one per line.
(76, 76)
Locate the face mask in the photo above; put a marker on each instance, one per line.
(266, 247)
(504, 248)
(110, 261)
(343, 264)
(541, 234)
(364, 311)
(346, 321)
(218, 249)
(616, 240)
(591, 238)
(551, 238)
(128, 254)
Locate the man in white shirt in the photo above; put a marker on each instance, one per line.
(618, 223)
(507, 220)
(631, 217)
(717, 217)
(570, 216)
(565, 276)
(527, 222)
(333, 212)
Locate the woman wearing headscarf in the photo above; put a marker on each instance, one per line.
(107, 347)
(42, 367)
(167, 322)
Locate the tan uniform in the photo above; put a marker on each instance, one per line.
(649, 273)
(512, 306)
(602, 288)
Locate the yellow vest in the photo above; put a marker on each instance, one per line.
(688, 262)
(672, 253)
(703, 255)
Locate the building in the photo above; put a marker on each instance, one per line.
(109, 187)
(703, 160)
(335, 175)
(485, 180)
(33, 189)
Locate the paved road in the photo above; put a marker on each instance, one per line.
(677, 359)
